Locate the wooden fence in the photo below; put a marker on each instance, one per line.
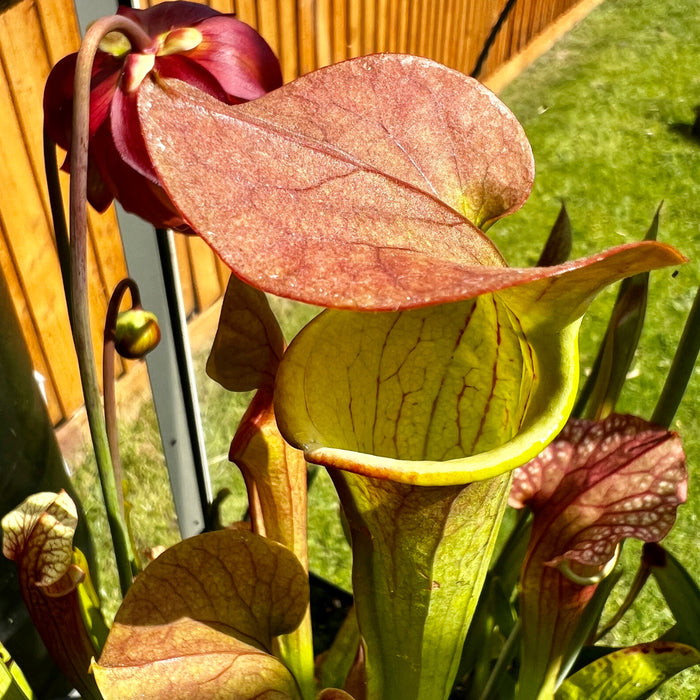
(305, 34)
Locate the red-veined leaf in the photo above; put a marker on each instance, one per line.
(597, 483)
(199, 622)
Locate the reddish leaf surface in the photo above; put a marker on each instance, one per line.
(359, 185)
(199, 622)
(599, 482)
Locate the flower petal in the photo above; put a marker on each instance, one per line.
(238, 57)
(58, 95)
(166, 16)
(125, 131)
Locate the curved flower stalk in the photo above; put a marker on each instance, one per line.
(219, 54)
(597, 483)
(160, 41)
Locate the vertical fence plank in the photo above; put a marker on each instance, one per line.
(289, 49)
(268, 23)
(205, 275)
(340, 30)
(30, 246)
(324, 33)
(305, 36)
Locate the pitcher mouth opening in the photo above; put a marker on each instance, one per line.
(554, 383)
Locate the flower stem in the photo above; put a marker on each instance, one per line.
(79, 283)
(108, 388)
(58, 218)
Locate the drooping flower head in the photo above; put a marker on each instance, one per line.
(214, 52)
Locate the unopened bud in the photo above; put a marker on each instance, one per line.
(137, 332)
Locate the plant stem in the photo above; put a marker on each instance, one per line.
(58, 218)
(108, 388)
(681, 368)
(504, 659)
(79, 282)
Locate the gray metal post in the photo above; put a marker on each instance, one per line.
(170, 370)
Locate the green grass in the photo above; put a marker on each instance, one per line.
(607, 112)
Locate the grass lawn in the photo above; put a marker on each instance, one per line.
(607, 111)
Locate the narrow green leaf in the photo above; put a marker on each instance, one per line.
(684, 362)
(13, 684)
(89, 603)
(633, 673)
(557, 249)
(334, 664)
(588, 622)
(604, 384)
(681, 592)
(199, 621)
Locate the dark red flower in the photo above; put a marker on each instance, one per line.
(215, 52)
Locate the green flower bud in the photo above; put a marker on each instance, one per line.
(136, 333)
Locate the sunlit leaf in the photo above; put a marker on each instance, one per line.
(13, 684)
(275, 477)
(38, 537)
(621, 477)
(445, 394)
(248, 344)
(597, 483)
(200, 620)
(348, 185)
(604, 384)
(361, 185)
(420, 555)
(633, 673)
